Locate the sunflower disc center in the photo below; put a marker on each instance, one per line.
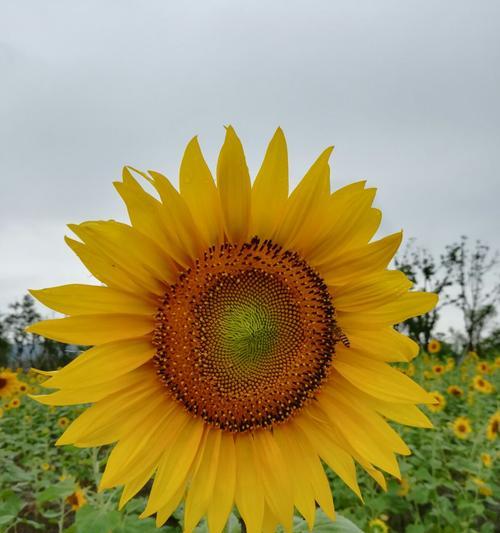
(245, 337)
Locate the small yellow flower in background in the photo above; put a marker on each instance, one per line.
(473, 356)
(409, 370)
(45, 466)
(484, 488)
(486, 460)
(462, 427)
(455, 390)
(22, 388)
(378, 526)
(8, 383)
(439, 402)
(438, 369)
(428, 374)
(434, 346)
(493, 424)
(76, 499)
(63, 422)
(483, 367)
(404, 487)
(450, 363)
(496, 364)
(1, 412)
(14, 403)
(482, 385)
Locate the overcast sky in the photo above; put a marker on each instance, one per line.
(408, 92)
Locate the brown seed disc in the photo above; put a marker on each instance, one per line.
(246, 336)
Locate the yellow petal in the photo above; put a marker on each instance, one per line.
(375, 428)
(158, 435)
(275, 477)
(170, 505)
(109, 419)
(103, 363)
(178, 216)
(371, 292)
(358, 262)
(378, 379)
(143, 260)
(175, 464)
(147, 215)
(233, 182)
(94, 393)
(77, 299)
(385, 344)
(301, 475)
(403, 413)
(346, 423)
(323, 441)
(200, 193)
(102, 268)
(307, 204)
(351, 224)
(131, 488)
(94, 329)
(201, 488)
(270, 185)
(249, 490)
(221, 502)
(406, 306)
(138, 451)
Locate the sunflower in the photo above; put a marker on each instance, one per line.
(496, 364)
(76, 499)
(242, 336)
(486, 460)
(438, 402)
(1, 412)
(378, 526)
(483, 487)
(462, 427)
(63, 422)
(8, 383)
(14, 403)
(450, 364)
(45, 466)
(438, 370)
(483, 367)
(455, 390)
(22, 388)
(434, 346)
(492, 427)
(482, 385)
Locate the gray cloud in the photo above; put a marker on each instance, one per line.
(408, 93)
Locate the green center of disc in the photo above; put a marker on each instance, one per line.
(249, 332)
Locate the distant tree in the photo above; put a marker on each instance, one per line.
(5, 346)
(28, 349)
(429, 274)
(22, 314)
(478, 295)
(490, 345)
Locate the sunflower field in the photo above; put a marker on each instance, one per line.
(450, 482)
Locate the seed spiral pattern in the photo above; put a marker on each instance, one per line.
(246, 336)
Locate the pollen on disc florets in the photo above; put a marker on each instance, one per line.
(246, 336)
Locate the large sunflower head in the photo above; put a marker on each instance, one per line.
(242, 336)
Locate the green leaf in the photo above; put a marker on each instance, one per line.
(323, 524)
(132, 524)
(90, 519)
(56, 492)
